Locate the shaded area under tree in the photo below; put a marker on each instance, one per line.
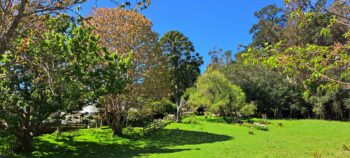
(141, 146)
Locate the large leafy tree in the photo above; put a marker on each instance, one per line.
(17, 16)
(313, 53)
(183, 64)
(273, 94)
(126, 32)
(60, 70)
(215, 92)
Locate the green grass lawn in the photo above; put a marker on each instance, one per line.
(208, 138)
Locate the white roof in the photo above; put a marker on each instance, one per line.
(89, 109)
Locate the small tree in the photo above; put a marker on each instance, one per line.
(215, 92)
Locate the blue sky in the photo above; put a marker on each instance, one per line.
(208, 23)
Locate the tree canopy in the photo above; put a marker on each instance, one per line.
(55, 72)
(183, 64)
(312, 53)
(126, 32)
(215, 92)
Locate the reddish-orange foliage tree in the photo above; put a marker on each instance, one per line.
(16, 16)
(125, 33)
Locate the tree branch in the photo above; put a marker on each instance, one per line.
(9, 33)
(345, 84)
(338, 15)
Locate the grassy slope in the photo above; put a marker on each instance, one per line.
(297, 138)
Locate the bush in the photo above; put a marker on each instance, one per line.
(139, 118)
(132, 132)
(161, 108)
(218, 95)
(151, 111)
(248, 109)
(6, 144)
(190, 120)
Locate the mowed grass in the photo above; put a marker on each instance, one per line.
(207, 138)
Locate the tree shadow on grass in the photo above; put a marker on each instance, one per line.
(143, 146)
(177, 137)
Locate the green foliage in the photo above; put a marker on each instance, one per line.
(192, 119)
(268, 29)
(124, 33)
(248, 109)
(183, 64)
(312, 53)
(149, 112)
(139, 117)
(272, 94)
(214, 91)
(161, 107)
(60, 71)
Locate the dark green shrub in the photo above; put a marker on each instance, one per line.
(160, 108)
(139, 118)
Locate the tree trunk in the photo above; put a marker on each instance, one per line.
(178, 110)
(101, 122)
(24, 137)
(118, 125)
(234, 117)
(118, 130)
(341, 115)
(24, 142)
(59, 131)
(178, 115)
(233, 120)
